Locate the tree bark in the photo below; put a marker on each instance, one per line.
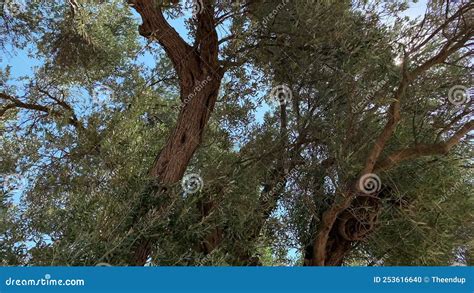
(200, 76)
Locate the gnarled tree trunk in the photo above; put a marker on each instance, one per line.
(200, 76)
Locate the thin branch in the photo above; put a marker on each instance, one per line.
(16, 103)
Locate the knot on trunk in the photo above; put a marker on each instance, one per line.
(359, 220)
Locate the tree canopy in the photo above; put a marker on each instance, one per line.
(212, 132)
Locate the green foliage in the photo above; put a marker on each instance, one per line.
(88, 185)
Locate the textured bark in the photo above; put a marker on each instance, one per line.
(335, 251)
(328, 220)
(141, 252)
(170, 164)
(342, 225)
(200, 77)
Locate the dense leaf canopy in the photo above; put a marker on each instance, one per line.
(313, 97)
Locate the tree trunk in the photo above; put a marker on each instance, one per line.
(200, 76)
(343, 224)
(170, 164)
(336, 250)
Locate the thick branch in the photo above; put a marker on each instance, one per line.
(423, 150)
(327, 222)
(387, 132)
(156, 27)
(206, 35)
